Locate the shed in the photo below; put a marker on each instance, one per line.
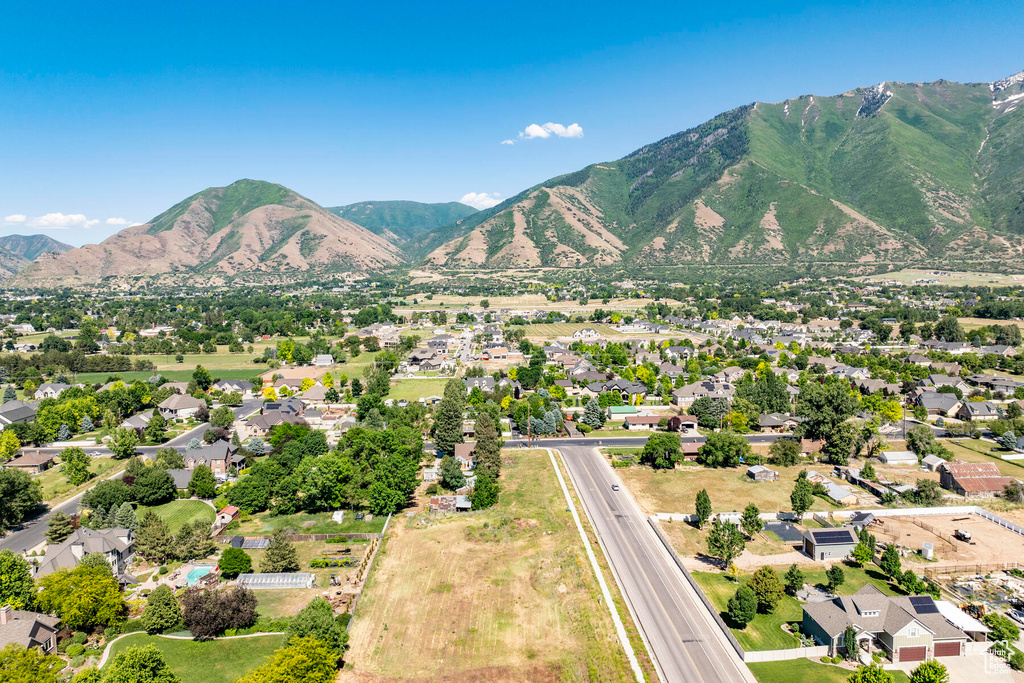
(762, 473)
(898, 458)
(830, 544)
(932, 462)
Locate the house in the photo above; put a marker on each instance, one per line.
(220, 456)
(33, 463)
(239, 386)
(259, 425)
(908, 628)
(687, 422)
(621, 412)
(977, 410)
(642, 422)
(762, 473)
(226, 515)
(940, 405)
(323, 360)
(830, 544)
(182, 478)
(16, 411)
(776, 422)
(28, 630)
(140, 421)
(939, 381)
(932, 462)
(464, 455)
(50, 390)
(450, 504)
(485, 384)
(897, 458)
(973, 479)
(115, 544)
(180, 407)
(586, 333)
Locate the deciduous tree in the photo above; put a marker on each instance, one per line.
(751, 520)
(16, 586)
(234, 561)
(162, 611)
(137, 664)
(742, 606)
(725, 541)
(768, 588)
(82, 597)
(702, 507)
(74, 465)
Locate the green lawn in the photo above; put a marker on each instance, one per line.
(55, 486)
(266, 523)
(413, 389)
(178, 513)
(765, 631)
(213, 661)
(806, 670)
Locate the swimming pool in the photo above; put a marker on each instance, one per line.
(198, 573)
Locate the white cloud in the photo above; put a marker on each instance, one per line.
(480, 200)
(535, 131)
(16, 218)
(117, 221)
(58, 221)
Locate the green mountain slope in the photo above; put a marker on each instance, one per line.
(402, 220)
(31, 246)
(895, 173)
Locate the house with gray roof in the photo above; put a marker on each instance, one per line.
(16, 411)
(50, 390)
(908, 628)
(28, 629)
(180, 407)
(116, 545)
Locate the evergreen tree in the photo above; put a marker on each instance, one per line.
(194, 444)
(488, 447)
(235, 441)
(10, 394)
(280, 555)
(64, 432)
(485, 493)
(153, 541)
(751, 521)
(593, 415)
(742, 606)
(193, 541)
(59, 528)
(448, 422)
(156, 430)
(126, 517)
(202, 484)
(256, 446)
(703, 508)
(794, 580)
(452, 477)
(86, 424)
(162, 611)
(890, 562)
(834, 578)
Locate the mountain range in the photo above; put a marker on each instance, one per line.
(896, 173)
(30, 247)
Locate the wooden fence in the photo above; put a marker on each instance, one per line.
(934, 570)
(226, 538)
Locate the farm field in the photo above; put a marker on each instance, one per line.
(212, 661)
(553, 330)
(501, 595)
(948, 277)
(730, 489)
(178, 513)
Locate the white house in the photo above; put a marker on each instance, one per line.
(586, 333)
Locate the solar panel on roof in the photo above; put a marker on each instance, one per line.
(832, 537)
(924, 604)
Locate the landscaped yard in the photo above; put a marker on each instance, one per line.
(56, 486)
(504, 594)
(178, 513)
(212, 661)
(765, 631)
(310, 523)
(414, 389)
(801, 670)
(730, 489)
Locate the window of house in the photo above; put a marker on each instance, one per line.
(913, 632)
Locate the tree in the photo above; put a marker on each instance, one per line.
(193, 444)
(485, 493)
(870, 674)
(256, 446)
(169, 459)
(107, 494)
(59, 528)
(156, 430)
(784, 452)
(767, 588)
(154, 486)
(209, 613)
(234, 561)
(222, 417)
(793, 579)
(802, 496)
(316, 620)
(723, 449)
(280, 555)
(862, 553)
(890, 562)
(201, 376)
(20, 495)
(82, 597)
(64, 433)
(742, 606)
(202, 484)
(834, 578)
(824, 408)
(193, 541)
(868, 471)
(74, 465)
(931, 671)
(839, 444)
(162, 610)
(661, 451)
(703, 508)
(725, 541)
(124, 443)
(139, 665)
(29, 665)
(94, 561)
(451, 474)
(850, 643)
(948, 329)
(709, 411)
(126, 517)
(16, 586)
(304, 659)
(593, 415)
(751, 521)
(153, 540)
(9, 445)
(487, 452)
(448, 421)
(1001, 627)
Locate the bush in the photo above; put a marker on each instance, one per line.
(584, 428)
(77, 661)
(621, 463)
(111, 632)
(325, 562)
(74, 649)
(80, 637)
(163, 570)
(343, 619)
(433, 489)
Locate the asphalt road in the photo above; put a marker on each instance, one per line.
(681, 635)
(30, 533)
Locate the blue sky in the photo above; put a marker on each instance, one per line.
(112, 112)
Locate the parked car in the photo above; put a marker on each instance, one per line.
(1016, 615)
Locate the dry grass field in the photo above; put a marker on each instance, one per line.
(730, 489)
(948, 277)
(989, 542)
(501, 595)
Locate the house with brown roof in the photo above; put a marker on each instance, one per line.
(973, 479)
(908, 628)
(464, 455)
(28, 629)
(647, 423)
(33, 463)
(180, 407)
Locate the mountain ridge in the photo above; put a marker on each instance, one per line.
(32, 246)
(402, 220)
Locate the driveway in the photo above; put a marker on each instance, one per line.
(974, 667)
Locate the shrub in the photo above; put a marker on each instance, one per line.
(80, 638)
(162, 571)
(111, 632)
(74, 649)
(584, 428)
(433, 489)
(77, 661)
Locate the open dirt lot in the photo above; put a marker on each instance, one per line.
(989, 542)
(501, 595)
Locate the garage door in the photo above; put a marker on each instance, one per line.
(948, 649)
(913, 654)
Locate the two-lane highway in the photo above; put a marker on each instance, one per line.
(684, 641)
